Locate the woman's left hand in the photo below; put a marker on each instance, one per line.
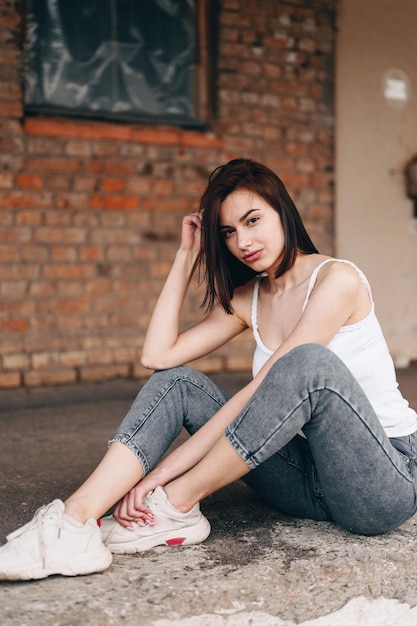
(131, 507)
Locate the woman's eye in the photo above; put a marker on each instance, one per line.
(253, 220)
(227, 233)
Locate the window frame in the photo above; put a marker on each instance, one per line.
(203, 97)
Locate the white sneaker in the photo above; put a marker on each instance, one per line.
(170, 527)
(53, 543)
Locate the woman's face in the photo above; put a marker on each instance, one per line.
(252, 230)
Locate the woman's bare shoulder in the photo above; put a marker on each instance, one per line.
(341, 279)
(339, 269)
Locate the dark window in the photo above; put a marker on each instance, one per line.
(131, 59)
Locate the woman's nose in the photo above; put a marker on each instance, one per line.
(243, 240)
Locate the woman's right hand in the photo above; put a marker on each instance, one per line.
(191, 233)
(132, 508)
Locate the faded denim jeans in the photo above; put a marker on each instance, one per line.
(344, 469)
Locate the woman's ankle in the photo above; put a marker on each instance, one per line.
(180, 503)
(77, 510)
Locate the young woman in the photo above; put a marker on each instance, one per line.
(320, 432)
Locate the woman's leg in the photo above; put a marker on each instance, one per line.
(66, 539)
(288, 481)
(168, 401)
(368, 486)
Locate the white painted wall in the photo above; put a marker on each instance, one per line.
(375, 137)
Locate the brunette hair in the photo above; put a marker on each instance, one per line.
(222, 271)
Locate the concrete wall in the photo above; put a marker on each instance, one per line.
(90, 211)
(376, 134)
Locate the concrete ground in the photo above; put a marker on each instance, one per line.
(257, 567)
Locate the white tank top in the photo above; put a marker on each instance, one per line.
(363, 349)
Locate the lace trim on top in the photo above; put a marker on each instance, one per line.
(254, 318)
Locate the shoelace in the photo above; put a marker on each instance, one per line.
(37, 522)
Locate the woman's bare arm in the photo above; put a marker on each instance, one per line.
(164, 345)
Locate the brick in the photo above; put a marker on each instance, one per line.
(71, 305)
(57, 164)
(78, 148)
(44, 146)
(138, 185)
(10, 19)
(295, 179)
(72, 201)
(297, 149)
(85, 183)
(10, 162)
(98, 287)
(11, 109)
(9, 55)
(44, 360)
(59, 181)
(10, 127)
(27, 198)
(10, 91)
(140, 373)
(13, 289)
(41, 289)
(103, 372)
(30, 181)
(10, 380)
(87, 130)
(6, 180)
(74, 358)
(18, 271)
(306, 165)
(71, 324)
(9, 253)
(162, 187)
(123, 203)
(17, 325)
(112, 184)
(58, 219)
(165, 204)
(68, 271)
(50, 234)
(322, 180)
(63, 253)
(15, 361)
(101, 149)
(119, 254)
(49, 377)
(209, 364)
(23, 307)
(103, 131)
(92, 253)
(15, 235)
(29, 217)
(11, 145)
(118, 168)
(124, 355)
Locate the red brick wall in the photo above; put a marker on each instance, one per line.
(90, 211)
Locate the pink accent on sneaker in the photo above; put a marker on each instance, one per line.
(175, 542)
(169, 528)
(99, 523)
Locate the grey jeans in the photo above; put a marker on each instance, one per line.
(344, 469)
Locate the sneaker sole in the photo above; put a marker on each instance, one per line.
(90, 563)
(192, 534)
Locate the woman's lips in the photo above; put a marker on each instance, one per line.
(251, 257)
